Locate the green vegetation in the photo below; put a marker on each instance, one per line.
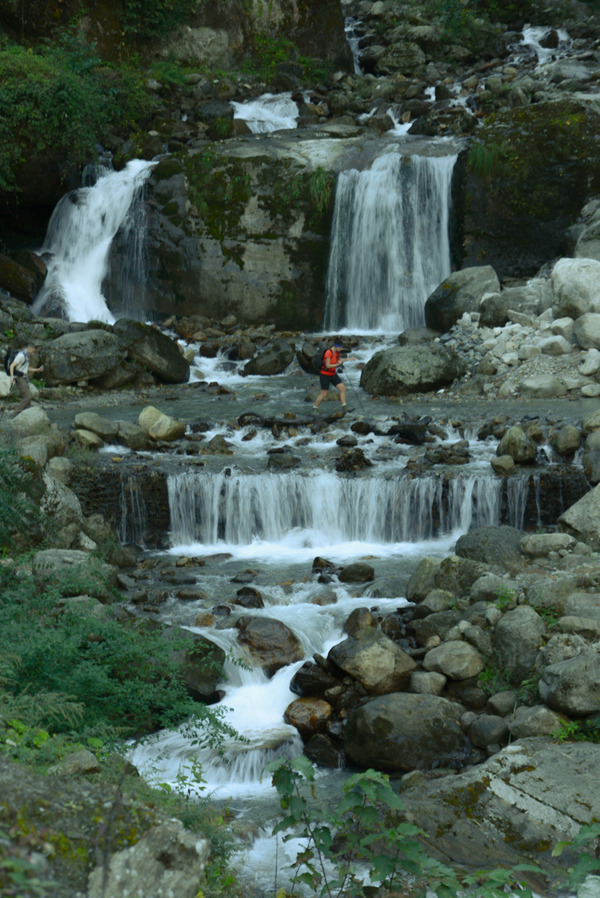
(363, 832)
(59, 101)
(154, 18)
(587, 730)
(19, 489)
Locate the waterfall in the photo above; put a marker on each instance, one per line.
(269, 112)
(353, 39)
(517, 489)
(390, 246)
(133, 512)
(78, 241)
(324, 509)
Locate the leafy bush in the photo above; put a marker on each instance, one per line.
(120, 679)
(361, 846)
(153, 18)
(19, 487)
(62, 101)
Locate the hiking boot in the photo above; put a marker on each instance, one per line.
(347, 408)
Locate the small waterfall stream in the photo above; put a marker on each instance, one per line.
(80, 233)
(389, 245)
(323, 509)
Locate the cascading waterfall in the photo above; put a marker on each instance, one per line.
(269, 112)
(80, 233)
(389, 246)
(237, 509)
(133, 512)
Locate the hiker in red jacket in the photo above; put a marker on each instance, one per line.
(328, 376)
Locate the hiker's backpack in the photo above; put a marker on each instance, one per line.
(318, 357)
(9, 359)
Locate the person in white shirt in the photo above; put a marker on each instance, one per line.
(19, 372)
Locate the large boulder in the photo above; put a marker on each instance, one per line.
(271, 643)
(455, 659)
(496, 545)
(572, 686)
(153, 349)
(84, 355)
(518, 445)
(582, 520)
(587, 330)
(517, 638)
(167, 860)
(405, 732)
(274, 360)
(576, 285)
(374, 660)
(72, 570)
(495, 307)
(519, 804)
(402, 370)
(460, 292)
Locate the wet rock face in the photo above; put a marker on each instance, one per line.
(229, 233)
(517, 195)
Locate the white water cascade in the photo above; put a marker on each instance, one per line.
(389, 246)
(269, 112)
(77, 244)
(240, 509)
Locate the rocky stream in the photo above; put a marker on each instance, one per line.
(411, 585)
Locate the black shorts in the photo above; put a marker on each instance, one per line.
(329, 380)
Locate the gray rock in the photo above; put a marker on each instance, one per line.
(524, 800)
(576, 287)
(358, 572)
(573, 686)
(271, 643)
(427, 682)
(495, 307)
(518, 445)
(461, 292)
(72, 569)
(494, 545)
(542, 544)
(153, 349)
(84, 355)
(517, 639)
(88, 440)
(167, 860)
(582, 520)
(378, 664)
(200, 662)
(31, 422)
(409, 369)
(273, 360)
(421, 581)
(587, 330)
(404, 732)
(542, 386)
(103, 427)
(488, 729)
(133, 436)
(535, 721)
(454, 659)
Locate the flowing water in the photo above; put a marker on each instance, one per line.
(269, 112)
(389, 250)
(80, 233)
(389, 245)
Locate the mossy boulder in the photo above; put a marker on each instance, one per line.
(525, 180)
